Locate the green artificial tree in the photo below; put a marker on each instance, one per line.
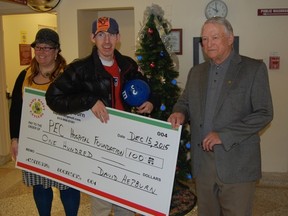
(154, 58)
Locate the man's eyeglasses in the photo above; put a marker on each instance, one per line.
(45, 49)
(103, 35)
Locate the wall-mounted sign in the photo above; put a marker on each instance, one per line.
(273, 12)
(25, 54)
(274, 62)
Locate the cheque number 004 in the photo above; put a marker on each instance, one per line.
(162, 134)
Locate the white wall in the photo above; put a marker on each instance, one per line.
(259, 36)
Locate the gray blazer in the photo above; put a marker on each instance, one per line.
(243, 109)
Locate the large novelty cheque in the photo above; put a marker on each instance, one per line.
(130, 161)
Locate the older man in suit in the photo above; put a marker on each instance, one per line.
(227, 101)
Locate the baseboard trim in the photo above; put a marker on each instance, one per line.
(274, 179)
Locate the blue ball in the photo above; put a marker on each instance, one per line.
(162, 107)
(135, 92)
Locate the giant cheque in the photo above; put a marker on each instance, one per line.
(129, 161)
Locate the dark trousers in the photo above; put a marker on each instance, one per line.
(216, 198)
(43, 198)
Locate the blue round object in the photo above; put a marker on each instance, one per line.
(135, 92)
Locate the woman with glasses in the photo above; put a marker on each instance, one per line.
(46, 65)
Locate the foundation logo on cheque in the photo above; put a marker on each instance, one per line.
(36, 108)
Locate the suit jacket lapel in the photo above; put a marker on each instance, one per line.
(228, 82)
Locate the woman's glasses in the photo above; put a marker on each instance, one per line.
(45, 49)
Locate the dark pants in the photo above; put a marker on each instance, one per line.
(43, 198)
(220, 199)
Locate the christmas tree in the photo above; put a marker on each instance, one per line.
(154, 58)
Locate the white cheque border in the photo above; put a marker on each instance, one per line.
(154, 199)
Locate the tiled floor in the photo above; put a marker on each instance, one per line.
(16, 199)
